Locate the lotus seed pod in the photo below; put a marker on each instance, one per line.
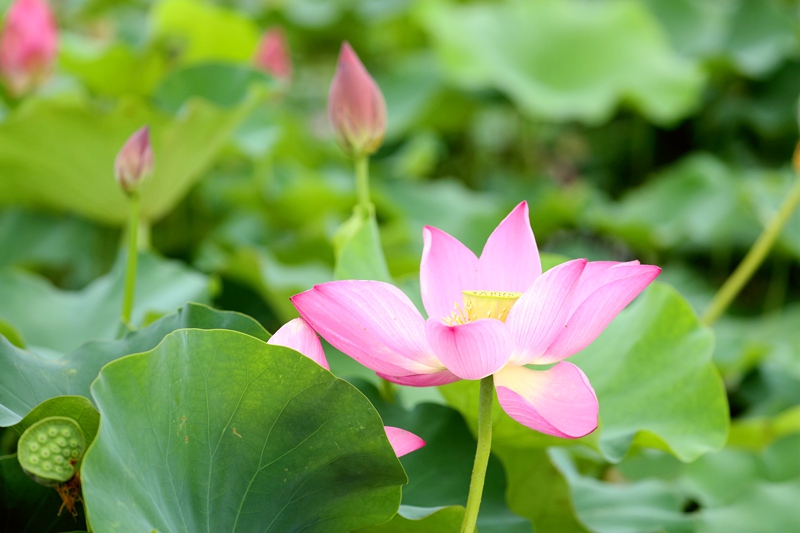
(49, 450)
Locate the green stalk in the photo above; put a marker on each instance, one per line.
(362, 183)
(733, 285)
(481, 455)
(387, 389)
(133, 253)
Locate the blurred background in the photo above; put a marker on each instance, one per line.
(653, 129)
(661, 130)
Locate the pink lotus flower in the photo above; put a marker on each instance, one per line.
(356, 107)
(28, 45)
(134, 161)
(298, 335)
(490, 315)
(272, 55)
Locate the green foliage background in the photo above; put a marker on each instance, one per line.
(660, 130)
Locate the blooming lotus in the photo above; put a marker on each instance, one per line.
(28, 45)
(298, 335)
(496, 314)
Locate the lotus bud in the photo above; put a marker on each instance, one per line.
(134, 161)
(28, 45)
(272, 55)
(356, 107)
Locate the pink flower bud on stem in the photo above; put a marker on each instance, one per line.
(28, 45)
(134, 161)
(356, 107)
(272, 55)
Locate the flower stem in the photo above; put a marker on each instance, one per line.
(362, 182)
(133, 253)
(387, 391)
(754, 257)
(481, 455)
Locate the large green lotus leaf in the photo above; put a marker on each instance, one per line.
(78, 408)
(652, 372)
(729, 490)
(80, 143)
(201, 31)
(74, 317)
(451, 448)
(219, 431)
(650, 505)
(696, 204)
(72, 248)
(566, 60)
(29, 379)
(113, 69)
(537, 490)
(762, 507)
(223, 84)
(27, 507)
(754, 37)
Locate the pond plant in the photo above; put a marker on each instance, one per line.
(170, 191)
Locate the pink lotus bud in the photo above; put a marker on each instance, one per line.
(28, 45)
(134, 161)
(272, 55)
(356, 107)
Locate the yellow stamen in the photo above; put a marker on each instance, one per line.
(482, 304)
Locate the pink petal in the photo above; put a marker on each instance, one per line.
(403, 441)
(608, 270)
(298, 335)
(447, 268)
(372, 322)
(541, 312)
(558, 401)
(608, 292)
(473, 350)
(510, 259)
(423, 380)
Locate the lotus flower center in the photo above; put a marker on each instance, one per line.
(482, 304)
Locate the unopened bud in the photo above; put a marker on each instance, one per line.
(134, 161)
(272, 55)
(356, 107)
(28, 45)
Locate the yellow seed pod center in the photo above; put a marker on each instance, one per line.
(483, 304)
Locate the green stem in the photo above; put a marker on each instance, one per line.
(481, 455)
(362, 182)
(387, 391)
(133, 253)
(754, 257)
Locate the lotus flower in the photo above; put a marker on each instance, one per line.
(493, 314)
(28, 45)
(272, 55)
(134, 161)
(356, 107)
(298, 335)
